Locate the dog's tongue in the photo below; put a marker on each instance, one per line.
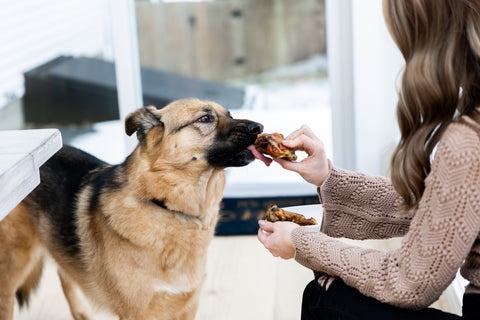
(260, 155)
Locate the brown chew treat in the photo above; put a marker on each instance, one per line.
(271, 144)
(274, 213)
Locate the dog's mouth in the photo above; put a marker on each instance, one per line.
(234, 149)
(231, 157)
(257, 154)
(246, 154)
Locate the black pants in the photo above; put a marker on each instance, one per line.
(341, 302)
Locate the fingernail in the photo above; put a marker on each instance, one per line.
(261, 222)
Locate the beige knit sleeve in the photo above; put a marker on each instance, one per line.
(441, 234)
(360, 206)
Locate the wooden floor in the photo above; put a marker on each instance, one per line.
(243, 282)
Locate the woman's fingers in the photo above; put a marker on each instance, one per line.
(303, 143)
(266, 229)
(303, 130)
(326, 280)
(262, 236)
(294, 134)
(266, 225)
(290, 165)
(314, 168)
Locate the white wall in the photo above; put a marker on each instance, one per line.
(377, 63)
(35, 31)
(364, 65)
(340, 78)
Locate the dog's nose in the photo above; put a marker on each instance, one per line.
(254, 128)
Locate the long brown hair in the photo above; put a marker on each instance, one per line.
(440, 41)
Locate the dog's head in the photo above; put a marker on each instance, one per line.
(192, 131)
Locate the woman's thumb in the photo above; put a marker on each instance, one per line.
(266, 225)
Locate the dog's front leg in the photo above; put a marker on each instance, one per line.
(6, 307)
(167, 306)
(78, 306)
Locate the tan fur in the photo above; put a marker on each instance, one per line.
(20, 258)
(139, 260)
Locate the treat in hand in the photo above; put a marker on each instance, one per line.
(274, 213)
(271, 144)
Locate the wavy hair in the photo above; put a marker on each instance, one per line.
(440, 42)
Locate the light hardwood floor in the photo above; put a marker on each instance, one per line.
(243, 282)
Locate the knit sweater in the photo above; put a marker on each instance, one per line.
(441, 236)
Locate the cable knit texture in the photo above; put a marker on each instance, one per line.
(442, 234)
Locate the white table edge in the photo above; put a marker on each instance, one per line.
(37, 155)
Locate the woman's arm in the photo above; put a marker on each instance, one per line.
(360, 206)
(357, 206)
(441, 234)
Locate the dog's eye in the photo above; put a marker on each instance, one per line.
(205, 118)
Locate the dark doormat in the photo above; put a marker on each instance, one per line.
(239, 216)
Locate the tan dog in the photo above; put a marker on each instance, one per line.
(132, 236)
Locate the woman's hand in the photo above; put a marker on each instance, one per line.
(277, 237)
(315, 168)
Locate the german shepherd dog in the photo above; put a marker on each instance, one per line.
(134, 236)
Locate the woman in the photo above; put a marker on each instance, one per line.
(434, 205)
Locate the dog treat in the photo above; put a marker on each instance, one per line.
(274, 213)
(271, 144)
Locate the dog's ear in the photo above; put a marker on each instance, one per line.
(141, 121)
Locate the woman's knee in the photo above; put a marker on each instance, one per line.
(321, 302)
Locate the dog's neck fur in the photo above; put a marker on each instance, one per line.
(161, 204)
(197, 194)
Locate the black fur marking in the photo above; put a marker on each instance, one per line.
(21, 299)
(102, 179)
(61, 181)
(160, 203)
(180, 128)
(163, 205)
